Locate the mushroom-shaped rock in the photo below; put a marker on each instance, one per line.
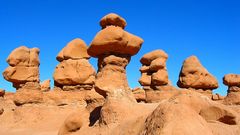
(113, 47)
(24, 66)
(149, 57)
(154, 71)
(75, 49)
(114, 40)
(23, 56)
(113, 20)
(231, 80)
(233, 83)
(194, 75)
(74, 71)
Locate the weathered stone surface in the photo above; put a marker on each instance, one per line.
(74, 72)
(21, 74)
(145, 79)
(26, 96)
(232, 80)
(45, 85)
(144, 69)
(175, 119)
(160, 78)
(1, 111)
(216, 97)
(24, 56)
(149, 57)
(77, 87)
(233, 98)
(114, 40)
(233, 83)
(113, 47)
(139, 94)
(112, 76)
(24, 66)
(2, 92)
(154, 72)
(75, 122)
(194, 75)
(75, 49)
(157, 64)
(113, 20)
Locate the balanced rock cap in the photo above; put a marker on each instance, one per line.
(23, 56)
(231, 80)
(114, 40)
(149, 57)
(113, 19)
(75, 49)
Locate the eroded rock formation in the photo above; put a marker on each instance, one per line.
(23, 67)
(233, 83)
(45, 85)
(154, 71)
(154, 76)
(113, 47)
(194, 76)
(74, 71)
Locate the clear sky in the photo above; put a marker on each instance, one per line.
(209, 29)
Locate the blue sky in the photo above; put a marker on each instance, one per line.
(209, 29)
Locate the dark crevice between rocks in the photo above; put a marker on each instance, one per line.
(94, 116)
(228, 120)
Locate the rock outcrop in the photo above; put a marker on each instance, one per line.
(74, 71)
(194, 76)
(233, 83)
(113, 47)
(45, 85)
(24, 67)
(190, 113)
(139, 94)
(154, 71)
(23, 72)
(154, 75)
(2, 92)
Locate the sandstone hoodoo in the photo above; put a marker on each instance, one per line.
(74, 71)
(154, 76)
(85, 103)
(113, 47)
(194, 76)
(233, 83)
(24, 67)
(154, 71)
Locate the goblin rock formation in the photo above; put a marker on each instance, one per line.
(233, 83)
(194, 76)
(154, 77)
(113, 47)
(83, 103)
(154, 71)
(24, 67)
(23, 72)
(74, 71)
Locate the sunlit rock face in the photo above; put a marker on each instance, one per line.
(74, 71)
